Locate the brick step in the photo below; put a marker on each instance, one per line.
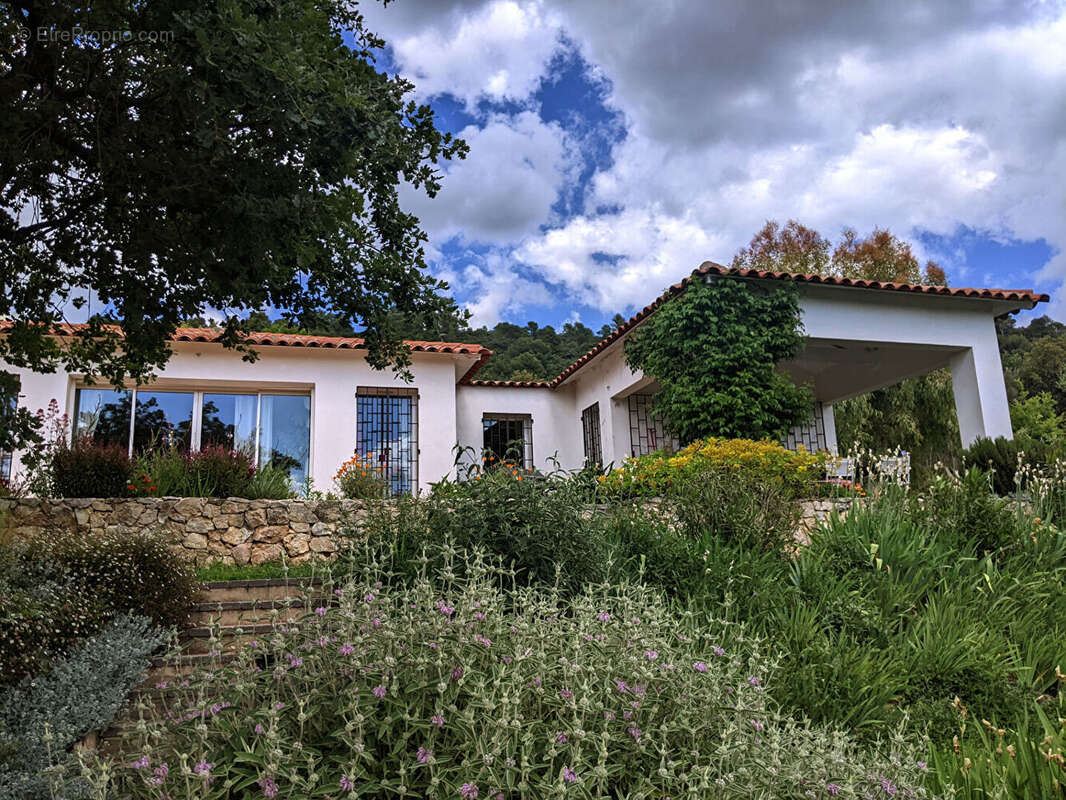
(262, 589)
(243, 612)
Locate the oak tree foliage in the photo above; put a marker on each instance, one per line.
(162, 159)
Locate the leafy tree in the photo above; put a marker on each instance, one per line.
(918, 414)
(882, 257)
(1035, 418)
(792, 248)
(230, 156)
(713, 349)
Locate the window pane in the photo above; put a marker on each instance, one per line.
(7, 416)
(285, 433)
(229, 420)
(103, 415)
(162, 419)
(506, 439)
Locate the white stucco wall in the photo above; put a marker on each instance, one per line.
(966, 326)
(556, 422)
(330, 376)
(939, 331)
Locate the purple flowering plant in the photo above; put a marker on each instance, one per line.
(529, 711)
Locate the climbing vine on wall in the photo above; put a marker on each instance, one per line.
(714, 349)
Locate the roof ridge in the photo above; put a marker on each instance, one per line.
(712, 268)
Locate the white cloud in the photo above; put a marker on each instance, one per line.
(505, 188)
(497, 52)
(499, 289)
(929, 117)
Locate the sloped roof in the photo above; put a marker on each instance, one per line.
(711, 268)
(266, 338)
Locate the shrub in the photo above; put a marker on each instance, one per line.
(214, 471)
(359, 478)
(60, 587)
(1001, 458)
(540, 525)
(54, 429)
(42, 620)
(764, 462)
(450, 687)
(41, 718)
(756, 512)
(964, 509)
(89, 469)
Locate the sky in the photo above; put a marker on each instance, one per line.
(616, 145)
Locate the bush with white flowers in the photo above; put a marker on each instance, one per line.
(450, 687)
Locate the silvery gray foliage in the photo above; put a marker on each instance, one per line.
(82, 693)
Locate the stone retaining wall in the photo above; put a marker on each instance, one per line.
(236, 531)
(231, 530)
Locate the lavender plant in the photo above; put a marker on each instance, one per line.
(450, 686)
(42, 717)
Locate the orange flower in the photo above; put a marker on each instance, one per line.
(518, 477)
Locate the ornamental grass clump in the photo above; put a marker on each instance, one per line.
(451, 687)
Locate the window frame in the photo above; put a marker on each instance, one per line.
(386, 393)
(527, 432)
(591, 435)
(196, 429)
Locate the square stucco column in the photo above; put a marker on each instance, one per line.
(829, 425)
(980, 393)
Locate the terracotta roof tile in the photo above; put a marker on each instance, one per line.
(513, 384)
(266, 338)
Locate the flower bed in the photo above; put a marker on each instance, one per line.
(449, 687)
(795, 471)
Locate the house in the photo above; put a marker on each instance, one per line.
(309, 402)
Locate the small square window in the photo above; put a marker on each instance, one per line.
(508, 437)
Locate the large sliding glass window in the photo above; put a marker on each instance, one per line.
(387, 432)
(284, 428)
(273, 429)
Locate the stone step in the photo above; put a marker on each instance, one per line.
(243, 612)
(229, 638)
(181, 667)
(262, 589)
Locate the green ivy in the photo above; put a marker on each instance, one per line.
(714, 350)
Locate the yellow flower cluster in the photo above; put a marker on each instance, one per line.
(759, 460)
